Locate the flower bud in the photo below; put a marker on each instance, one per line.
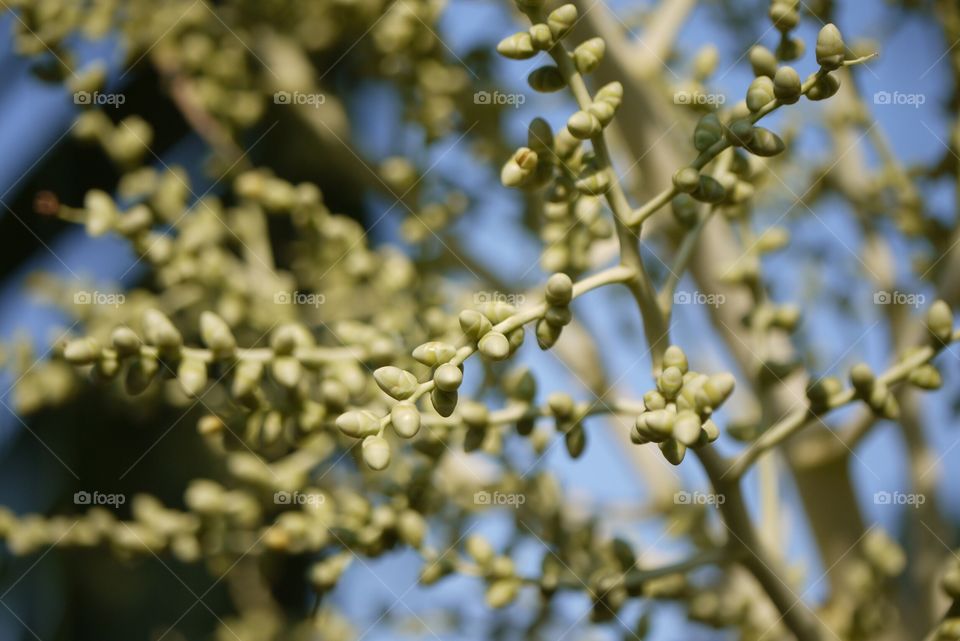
(760, 93)
(540, 137)
(519, 168)
(686, 180)
(739, 133)
(286, 371)
(502, 592)
(575, 441)
(709, 190)
(443, 402)
(673, 451)
(588, 54)
(786, 85)
(784, 15)
(376, 452)
(405, 419)
(562, 19)
(433, 353)
(684, 208)
(82, 351)
(125, 341)
(654, 400)
(674, 357)
(192, 375)
(603, 111)
(546, 79)
(830, 47)
(926, 377)
(790, 49)
(140, 373)
(395, 382)
(448, 377)
(824, 87)
(541, 37)
(474, 325)
(159, 331)
(862, 379)
(411, 528)
(940, 323)
(593, 183)
(612, 93)
(216, 335)
(705, 62)
(708, 132)
(547, 334)
(519, 46)
(763, 62)
(765, 143)
(660, 423)
(583, 125)
(559, 290)
(686, 428)
(718, 388)
(561, 405)
(101, 212)
(358, 423)
(670, 381)
(494, 346)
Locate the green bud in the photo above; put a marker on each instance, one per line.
(82, 351)
(670, 381)
(862, 379)
(830, 47)
(718, 388)
(593, 183)
(708, 132)
(192, 375)
(611, 93)
(561, 20)
(673, 451)
(926, 377)
(765, 143)
(159, 331)
(603, 111)
(588, 54)
(558, 316)
(547, 334)
(940, 323)
(583, 125)
(519, 384)
(474, 324)
(559, 290)
(763, 62)
(216, 335)
(443, 402)
(685, 210)
(541, 36)
(434, 353)
(494, 346)
(448, 377)
(546, 79)
(395, 382)
(519, 168)
(286, 370)
(686, 180)
(760, 93)
(654, 400)
(826, 85)
(246, 378)
(358, 423)
(784, 15)
(786, 85)
(740, 133)
(125, 341)
(575, 440)
(674, 357)
(540, 137)
(140, 374)
(411, 528)
(376, 452)
(405, 419)
(709, 190)
(502, 592)
(686, 428)
(790, 49)
(659, 423)
(705, 62)
(561, 405)
(951, 582)
(519, 46)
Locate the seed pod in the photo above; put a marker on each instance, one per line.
(474, 324)
(611, 93)
(575, 440)
(434, 353)
(583, 125)
(926, 377)
(784, 15)
(159, 331)
(763, 62)
(140, 373)
(786, 85)
(760, 93)
(541, 36)
(405, 419)
(358, 423)
(709, 190)
(686, 180)
(686, 428)
(561, 20)
(940, 323)
(494, 346)
(192, 376)
(519, 46)
(708, 131)
(82, 351)
(395, 382)
(824, 87)
(546, 79)
(673, 451)
(547, 334)
(765, 143)
(216, 335)
(830, 47)
(448, 377)
(670, 381)
(588, 54)
(684, 209)
(502, 592)
(286, 370)
(376, 452)
(519, 168)
(443, 402)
